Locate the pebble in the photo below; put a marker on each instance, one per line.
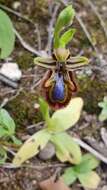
(11, 70)
(104, 187)
(48, 152)
(16, 5)
(36, 106)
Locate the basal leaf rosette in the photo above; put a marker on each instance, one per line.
(56, 125)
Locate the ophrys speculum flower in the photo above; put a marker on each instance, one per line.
(58, 85)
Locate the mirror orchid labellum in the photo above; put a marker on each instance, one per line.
(58, 84)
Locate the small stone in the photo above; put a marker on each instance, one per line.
(36, 106)
(104, 8)
(104, 187)
(11, 70)
(48, 152)
(16, 5)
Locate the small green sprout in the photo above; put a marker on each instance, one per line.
(7, 35)
(103, 105)
(56, 125)
(7, 133)
(83, 172)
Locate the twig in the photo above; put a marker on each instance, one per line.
(98, 16)
(91, 150)
(9, 150)
(26, 45)
(6, 100)
(50, 28)
(37, 167)
(38, 37)
(37, 83)
(4, 103)
(85, 30)
(37, 125)
(7, 92)
(8, 81)
(16, 13)
(17, 94)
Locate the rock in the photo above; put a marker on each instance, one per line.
(104, 187)
(16, 5)
(11, 70)
(48, 152)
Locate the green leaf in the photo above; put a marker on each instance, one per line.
(103, 105)
(6, 122)
(66, 148)
(44, 109)
(3, 132)
(103, 115)
(66, 37)
(67, 117)
(88, 163)
(69, 176)
(3, 156)
(89, 180)
(65, 18)
(31, 147)
(7, 36)
(16, 140)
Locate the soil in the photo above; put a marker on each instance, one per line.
(23, 100)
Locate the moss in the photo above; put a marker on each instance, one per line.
(25, 60)
(22, 109)
(92, 91)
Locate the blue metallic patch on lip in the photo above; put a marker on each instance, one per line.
(58, 93)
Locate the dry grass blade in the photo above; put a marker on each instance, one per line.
(91, 150)
(98, 16)
(26, 45)
(15, 13)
